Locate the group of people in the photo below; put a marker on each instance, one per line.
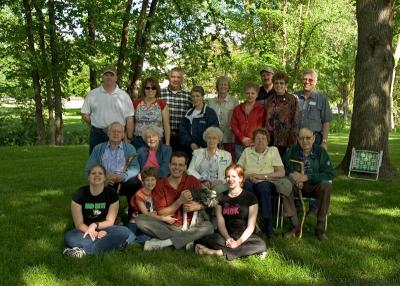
(159, 148)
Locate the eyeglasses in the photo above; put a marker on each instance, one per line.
(306, 138)
(150, 87)
(279, 83)
(308, 80)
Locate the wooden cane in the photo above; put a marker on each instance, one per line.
(303, 206)
(126, 166)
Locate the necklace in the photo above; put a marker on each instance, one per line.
(232, 194)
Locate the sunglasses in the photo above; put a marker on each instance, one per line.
(308, 80)
(150, 87)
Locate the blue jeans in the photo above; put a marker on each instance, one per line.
(263, 192)
(116, 236)
(96, 136)
(238, 151)
(141, 237)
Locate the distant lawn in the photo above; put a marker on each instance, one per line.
(36, 184)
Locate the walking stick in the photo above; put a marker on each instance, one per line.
(126, 166)
(303, 206)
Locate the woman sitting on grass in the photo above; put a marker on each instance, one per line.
(236, 217)
(94, 209)
(142, 203)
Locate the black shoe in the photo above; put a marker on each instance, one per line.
(123, 246)
(320, 234)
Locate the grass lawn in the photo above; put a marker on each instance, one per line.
(36, 184)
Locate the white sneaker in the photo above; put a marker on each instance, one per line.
(262, 255)
(74, 252)
(153, 244)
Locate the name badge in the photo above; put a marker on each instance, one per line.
(312, 103)
(224, 162)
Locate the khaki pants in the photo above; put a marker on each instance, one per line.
(320, 191)
(162, 230)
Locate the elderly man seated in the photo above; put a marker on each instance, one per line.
(310, 169)
(119, 160)
(171, 197)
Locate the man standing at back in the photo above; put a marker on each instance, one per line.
(179, 102)
(315, 115)
(105, 105)
(315, 112)
(266, 90)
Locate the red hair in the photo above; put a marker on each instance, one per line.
(238, 168)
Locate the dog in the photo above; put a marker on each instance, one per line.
(206, 197)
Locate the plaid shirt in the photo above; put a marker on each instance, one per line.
(178, 104)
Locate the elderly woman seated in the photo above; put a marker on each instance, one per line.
(209, 164)
(155, 154)
(263, 165)
(309, 167)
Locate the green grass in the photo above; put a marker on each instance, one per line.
(36, 184)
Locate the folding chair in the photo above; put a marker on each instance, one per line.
(365, 161)
(307, 200)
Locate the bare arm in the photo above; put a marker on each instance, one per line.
(325, 134)
(111, 216)
(86, 118)
(279, 171)
(142, 207)
(251, 224)
(185, 197)
(77, 217)
(221, 223)
(166, 125)
(129, 127)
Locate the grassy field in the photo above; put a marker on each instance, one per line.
(36, 184)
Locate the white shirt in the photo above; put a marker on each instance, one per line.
(105, 108)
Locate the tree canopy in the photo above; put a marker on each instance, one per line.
(51, 50)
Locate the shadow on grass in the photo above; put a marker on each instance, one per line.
(34, 214)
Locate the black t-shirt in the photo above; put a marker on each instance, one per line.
(94, 208)
(236, 211)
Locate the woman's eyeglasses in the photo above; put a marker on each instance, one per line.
(150, 87)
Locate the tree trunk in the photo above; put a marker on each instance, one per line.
(300, 46)
(396, 56)
(284, 35)
(136, 48)
(46, 73)
(124, 40)
(137, 61)
(374, 67)
(55, 76)
(40, 131)
(92, 48)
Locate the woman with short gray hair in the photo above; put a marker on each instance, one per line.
(154, 154)
(209, 164)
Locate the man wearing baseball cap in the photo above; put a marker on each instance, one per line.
(266, 90)
(107, 104)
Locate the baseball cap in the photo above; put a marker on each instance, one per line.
(267, 69)
(110, 69)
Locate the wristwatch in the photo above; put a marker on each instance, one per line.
(97, 225)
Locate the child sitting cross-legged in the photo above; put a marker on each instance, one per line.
(142, 203)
